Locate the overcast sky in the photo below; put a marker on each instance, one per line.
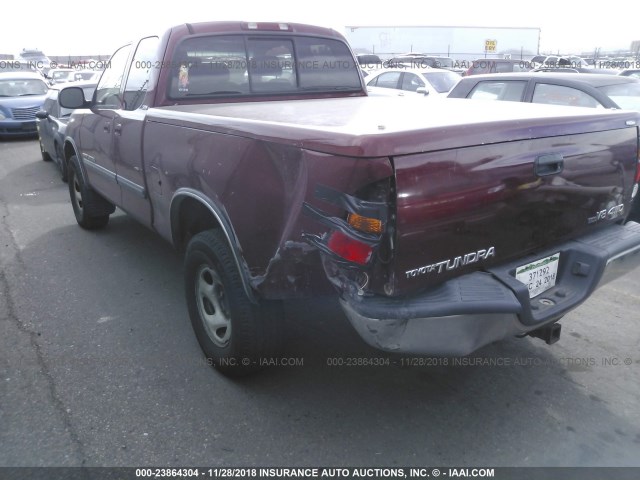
(74, 27)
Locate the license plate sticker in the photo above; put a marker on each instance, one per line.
(539, 276)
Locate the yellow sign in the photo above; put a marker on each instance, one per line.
(490, 45)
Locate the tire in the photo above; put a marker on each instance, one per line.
(91, 210)
(235, 334)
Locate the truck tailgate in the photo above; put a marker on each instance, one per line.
(466, 209)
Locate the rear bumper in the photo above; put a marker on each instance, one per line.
(474, 310)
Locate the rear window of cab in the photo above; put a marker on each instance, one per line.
(228, 65)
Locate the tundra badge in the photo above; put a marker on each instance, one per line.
(453, 263)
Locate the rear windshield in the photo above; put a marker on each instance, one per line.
(441, 81)
(626, 95)
(228, 65)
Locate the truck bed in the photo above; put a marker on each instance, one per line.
(378, 126)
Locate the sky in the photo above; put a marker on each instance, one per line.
(75, 27)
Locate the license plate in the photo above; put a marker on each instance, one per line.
(539, 276)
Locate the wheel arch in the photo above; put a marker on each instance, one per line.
(70, 149)
(192, 212)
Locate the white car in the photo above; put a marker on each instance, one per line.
(411, 82)
(86, 76)
(60, 75)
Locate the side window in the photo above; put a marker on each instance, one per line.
(561, 95)
(411, 82)
(108, 90)
(388, 80)
(138, 80)
(209, 66)
(510, 91)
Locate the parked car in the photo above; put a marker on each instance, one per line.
(36, 59)
(368, 60)
(497, 65)
(86, 75)
(401, 81)
(576, 89)
(571, 64)
(421, 61)
(369, 63)
(51, 123)
(60, 75)
(630, 72)
(16, 66)
(22, 94)
(601, 71)
(555, 61)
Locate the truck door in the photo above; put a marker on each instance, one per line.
(128, 124)
(96, 134)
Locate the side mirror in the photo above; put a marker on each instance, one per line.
(422, 90)
(71, 97)
(42, 115)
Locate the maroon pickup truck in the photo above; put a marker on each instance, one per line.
(254, 148)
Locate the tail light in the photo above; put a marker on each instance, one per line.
(354, 238)
(365, 224)
(349, 248)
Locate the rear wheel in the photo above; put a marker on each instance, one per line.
(236, 334)
(91, 210)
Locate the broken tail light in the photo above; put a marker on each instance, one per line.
(355, 237)
(365, 224)
(349, 248)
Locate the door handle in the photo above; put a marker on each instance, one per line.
(550, 164)
(117, 128)
(107, 127)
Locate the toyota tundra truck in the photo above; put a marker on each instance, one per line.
(441, 226)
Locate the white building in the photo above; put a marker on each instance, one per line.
(455, 42)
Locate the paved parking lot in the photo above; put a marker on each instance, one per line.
(99, 367)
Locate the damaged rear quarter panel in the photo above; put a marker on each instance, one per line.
(260, 187)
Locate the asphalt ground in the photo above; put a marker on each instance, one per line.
(99, 367)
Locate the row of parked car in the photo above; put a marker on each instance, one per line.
(370, 63)
(29, 107)
(553, 82)
(557, 88)
(65, 75)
